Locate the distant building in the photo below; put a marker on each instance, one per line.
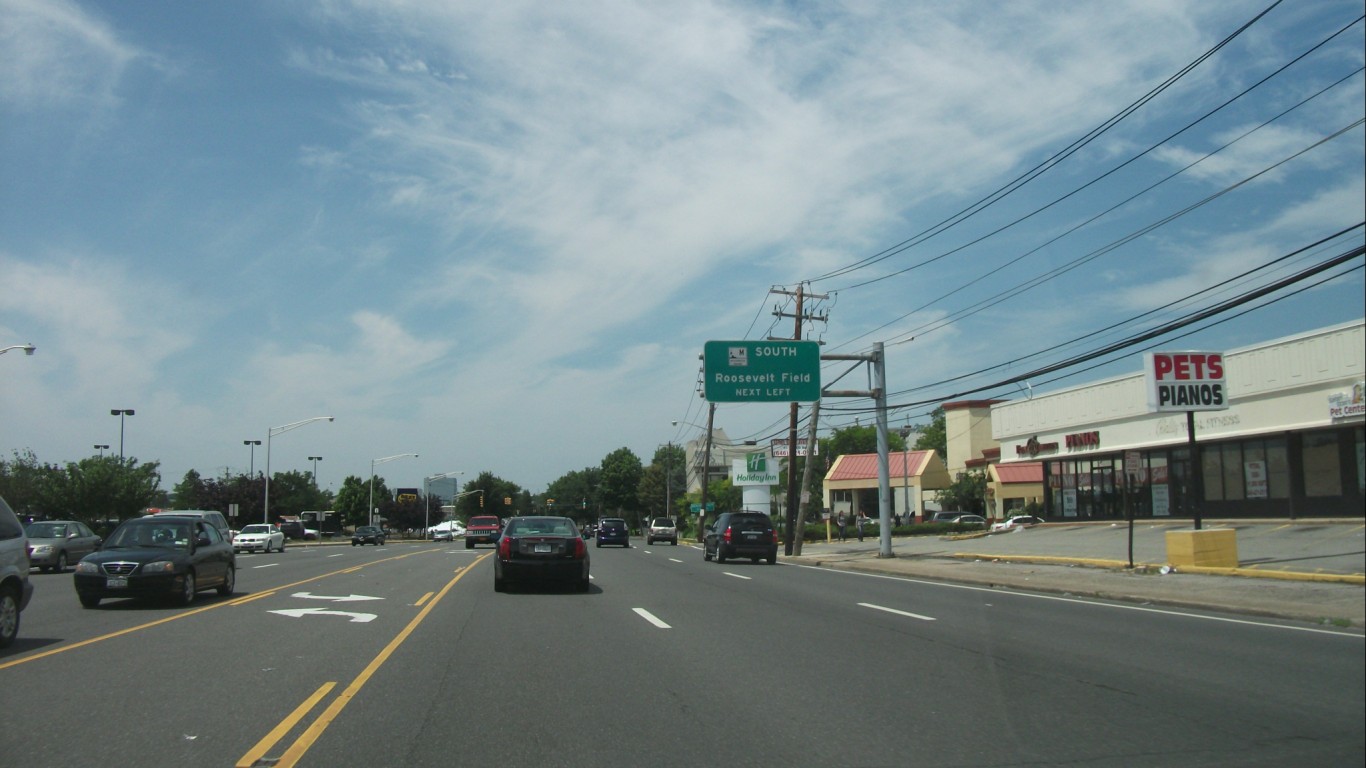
(851, 484)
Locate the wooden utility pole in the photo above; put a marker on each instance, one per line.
(799, 317)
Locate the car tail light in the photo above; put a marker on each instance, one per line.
(775, 535)
(505, 548)
(726, 536)
(580, 549)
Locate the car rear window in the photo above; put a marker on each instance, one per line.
(751, 522)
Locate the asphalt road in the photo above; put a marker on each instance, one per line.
(667, 661)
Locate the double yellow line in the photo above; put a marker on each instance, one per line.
(301, 745)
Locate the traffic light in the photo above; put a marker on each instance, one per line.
(481, 501)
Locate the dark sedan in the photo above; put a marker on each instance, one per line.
(368, 534)
(158, 556)
(541, 549)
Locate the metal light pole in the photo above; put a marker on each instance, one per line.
(101, 449)
(121, 412)
(373, 462)
(251, 471)
(427, 497)
(28, 348)
(270, 433)
(315, 460)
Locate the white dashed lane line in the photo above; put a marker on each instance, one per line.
(650, 617)
(898, 613)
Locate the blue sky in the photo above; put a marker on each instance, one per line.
(498, 235)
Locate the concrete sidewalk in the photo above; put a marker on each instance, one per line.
(1310, 571)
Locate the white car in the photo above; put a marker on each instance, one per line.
(259, 537)
(1016, 523)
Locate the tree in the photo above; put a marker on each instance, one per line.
(353, 501)
(663, 484)
(935, 437)
(620, 487)
(966, 493)
(496, 490)
(576, 493)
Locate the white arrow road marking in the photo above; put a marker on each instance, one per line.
(356, 618)
(899, 613)
(644, 614)
(335, 598)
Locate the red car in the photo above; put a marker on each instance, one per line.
(482, 529)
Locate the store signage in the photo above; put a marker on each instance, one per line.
(780, 451)
(1033, 447)
(1083, 441)
(1185, 381)
(753, 470)
(1347, 404)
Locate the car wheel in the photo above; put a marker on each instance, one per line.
(706, 553)
(282, 546)
(89, 601)
(229, 582)
(771, 559)
(187, 591)
(9, 617)
(583, 584)
(45, 568)
(353, 543)
(61, 562)
(720, 554)
(469, 545)
(499, 585)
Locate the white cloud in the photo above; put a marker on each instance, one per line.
(55, 54)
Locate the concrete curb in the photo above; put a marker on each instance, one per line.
(1330, 578)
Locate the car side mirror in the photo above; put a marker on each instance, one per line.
(202, 540)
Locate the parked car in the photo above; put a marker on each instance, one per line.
(259, 537)
(368, 534)
(541, 549)
(662, 529)
(613, 530)
(52, 544)
(160, 555)
(15, 588)
(293, 529)
(741, 534)
(977, 520)
(482, 529)
(1015, 523)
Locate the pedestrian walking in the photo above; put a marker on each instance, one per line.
(858, 524)
(840, 521)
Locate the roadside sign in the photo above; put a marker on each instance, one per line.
(762, 371)
(1185, 381)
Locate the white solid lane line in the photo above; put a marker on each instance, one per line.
(650, 617)
(899, 613)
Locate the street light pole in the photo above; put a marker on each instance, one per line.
(101, 448)
(373, 462)
(28, 348)
(427, 497)
(121, 412)
(251, 467)
(270, 433)
(315, 460)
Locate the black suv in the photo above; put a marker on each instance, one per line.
(741, 534)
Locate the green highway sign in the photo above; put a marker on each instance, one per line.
(762, 371)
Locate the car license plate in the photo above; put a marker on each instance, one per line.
(542, 549)
(751, 536)
(116, 582)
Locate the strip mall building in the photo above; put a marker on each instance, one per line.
(1290, 443)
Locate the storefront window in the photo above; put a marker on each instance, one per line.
(1277, 468)
(1322, 469)
(1212, 466)
(1233, 471)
